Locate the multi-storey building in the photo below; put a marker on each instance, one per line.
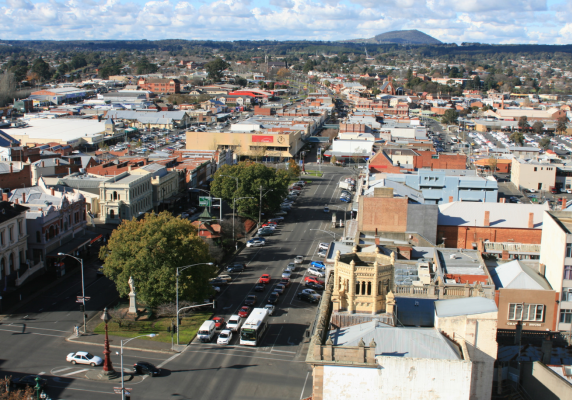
(159, 85)
(13, 244)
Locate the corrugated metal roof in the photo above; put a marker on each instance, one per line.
(398, 342)
(464, 306)
(515, 275)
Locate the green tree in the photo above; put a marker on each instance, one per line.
(145, 67)
(561, 125)
(215, 67)
(250, 176)
(523, 123)
(41, 68)
(150, 250)
(538, 127)
(544, 142)
(517, 137)
(450, 117)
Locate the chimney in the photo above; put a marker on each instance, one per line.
(564, 203)
(16, 201)
(542, 269)
(546, 350)
(11, 169)
(53, 192)
(502, 200)
(57, 161)
(487, 218)
(450, 199)
(4, 196)
(504, 255)
(23, 197)
(42, 164)
(530, 220)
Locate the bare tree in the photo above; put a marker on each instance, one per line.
(7, 392)
(7, 88)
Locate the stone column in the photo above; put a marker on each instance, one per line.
(352, 288)
(374, 289)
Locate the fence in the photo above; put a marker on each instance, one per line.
(445, 291)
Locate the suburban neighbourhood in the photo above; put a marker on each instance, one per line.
(353, 222)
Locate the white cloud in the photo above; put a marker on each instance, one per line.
(489, 21)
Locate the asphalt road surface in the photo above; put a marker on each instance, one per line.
(273, 370)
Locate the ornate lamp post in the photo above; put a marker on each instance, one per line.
(107, 366)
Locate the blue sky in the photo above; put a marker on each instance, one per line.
(485, 21)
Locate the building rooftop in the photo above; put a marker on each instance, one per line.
(516, 275)
(65, 129)
(564, 219)
(460, 262)
(398, 342)
(464, 306)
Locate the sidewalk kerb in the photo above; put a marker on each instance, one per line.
(72, 340)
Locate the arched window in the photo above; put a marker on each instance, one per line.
(114, 195)
(363, 287)
(369, 288)
(38, 237)
(111, 214)
(10, 263)
(357, 287)
(52, 232)
(2, 267)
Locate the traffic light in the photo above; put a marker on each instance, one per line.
(214, 303)
(82, 308)
(174, 328)
(127, 397)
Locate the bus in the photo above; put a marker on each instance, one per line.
(254, 327)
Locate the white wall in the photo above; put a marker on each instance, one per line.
(399, 378)
(552, 251)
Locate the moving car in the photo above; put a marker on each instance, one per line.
(224, 337)
(307, 297)
(219, 322)
(299, 260)
(273, 298)
(265, 278)
(270, 308)
(326, 209)
(250, 300)
(278, 288)
(235, 268)
(284, 282)
(234, 323)
(29, 381)
(259, 287)
(244, 311)
(83, 357)
(146, 368)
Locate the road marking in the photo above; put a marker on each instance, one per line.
(284, 351)
(277, 336)
(253, 356)
(83, 390)
(169, 359)
(42, 373)
(61, 370)
(76, 372)
(304, 387)
(43, 329)
(31, 333)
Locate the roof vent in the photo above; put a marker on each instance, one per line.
(452, 256)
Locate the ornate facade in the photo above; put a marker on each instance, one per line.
(362, 281)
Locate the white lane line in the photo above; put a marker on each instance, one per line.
(284, 351)
(31, 333)
(252, 356)
(42, 373)
(76, 372)
(43, 329)
(304, 387)
(83, 390)
(277, 336)
(169, 359)
(57, 371)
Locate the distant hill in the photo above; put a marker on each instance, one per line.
(400, 37)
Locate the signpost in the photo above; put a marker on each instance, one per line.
(205, 201)
(80, 299)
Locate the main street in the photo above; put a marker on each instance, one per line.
(276, 369)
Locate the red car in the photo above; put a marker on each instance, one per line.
(269, 224)
(264, 279)
(244, 311)
(313, 279)
(219, 322)
(295, 188)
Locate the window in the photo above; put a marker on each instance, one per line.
(11, 234)
(568, 272)
(565, 315)
(38, 237)
(435, 157)
(535, 169)
(568, 249)
(2, 238)
(526, 312)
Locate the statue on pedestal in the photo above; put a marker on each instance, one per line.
(132, 296)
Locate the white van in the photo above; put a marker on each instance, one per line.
(207, 331)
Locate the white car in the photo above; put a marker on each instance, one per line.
(83, 357)
(286, 274)
(317, 272)
(270, 308)
(224, 337)
(322, 253)
(312, 292)
(234, 323)
(323, 246)
(299, 260)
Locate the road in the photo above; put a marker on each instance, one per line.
(276, 369)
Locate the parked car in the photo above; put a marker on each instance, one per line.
(299, 260)
(83, 357)
(313, 279)
(307, 297)
(266, 232)
(234, 323)
(317, 272)
(265, 278)
(256, 242)
(218, 282)
(237, 264)
(244, 311)
(250, 300)
(270, 308)
(313, 285)
(224, 337)
(318, 264)
(312, 292)
(225, 277)
(146, 368)
(278, 220)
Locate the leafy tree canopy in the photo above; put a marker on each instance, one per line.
(517, 137)
(150, 250)
(215, 67)
(41, 68)
(450, 117)
(251, 176)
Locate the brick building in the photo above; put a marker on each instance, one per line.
(159, 85)
(15, 175)
(434, 160)
(463, 224)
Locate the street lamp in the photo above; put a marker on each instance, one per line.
(107, 366)
(82, 286)
(177, 290)
(260, 204)
(122, 343)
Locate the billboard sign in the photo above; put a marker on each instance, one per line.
(262, 139)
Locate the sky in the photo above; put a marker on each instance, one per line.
(451, 21)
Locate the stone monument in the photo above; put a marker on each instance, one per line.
(132, 297)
